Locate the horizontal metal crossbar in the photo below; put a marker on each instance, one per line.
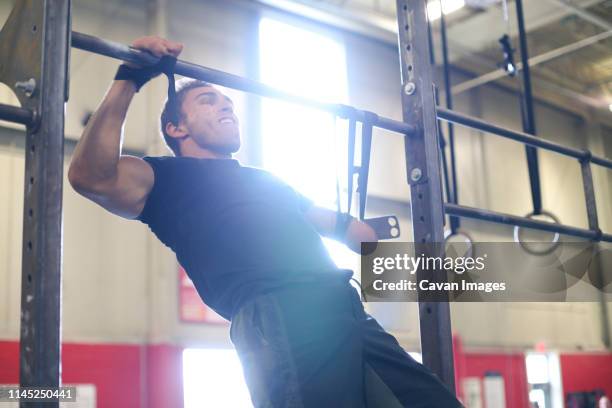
(501, 218)
(16, 114)
(475, 123)
(120, 51)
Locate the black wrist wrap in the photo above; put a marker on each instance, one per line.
(140, 76)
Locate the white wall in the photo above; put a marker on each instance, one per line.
(120, 283)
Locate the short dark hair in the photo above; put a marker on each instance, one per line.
(182, 87)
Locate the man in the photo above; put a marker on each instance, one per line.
(252, 247)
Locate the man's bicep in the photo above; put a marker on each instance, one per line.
(127, 193)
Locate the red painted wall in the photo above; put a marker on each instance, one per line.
(512, 369)
(131, 376)
(9, 362)
(511, 366)
(125, 376)
(114, 369)
(164, 376)
(579, 372)
(586, 372)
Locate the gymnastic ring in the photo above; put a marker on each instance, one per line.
(553, 244)
(448, 234)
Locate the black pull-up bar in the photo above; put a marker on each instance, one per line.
(584, 157)
(122, 52)
(501, 218)
(479, 124)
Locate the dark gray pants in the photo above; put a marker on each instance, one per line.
(312, 345)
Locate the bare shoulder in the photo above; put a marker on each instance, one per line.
(126, 193)
(135, 179)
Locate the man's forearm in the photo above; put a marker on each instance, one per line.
(358, 232)
(97, 153)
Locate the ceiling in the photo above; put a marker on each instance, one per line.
(569, 42)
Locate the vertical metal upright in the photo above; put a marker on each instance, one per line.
(42, 218)
(455, 222)
(423, 173)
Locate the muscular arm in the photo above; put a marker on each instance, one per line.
(324, 221)
(98, 171)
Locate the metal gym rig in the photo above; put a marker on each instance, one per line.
(35, 46)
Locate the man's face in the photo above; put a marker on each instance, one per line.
(209, 118)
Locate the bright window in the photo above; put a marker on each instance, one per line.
(544, 378)
(213, 378)
(298, 141)
(304, 146)
(537, 368)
